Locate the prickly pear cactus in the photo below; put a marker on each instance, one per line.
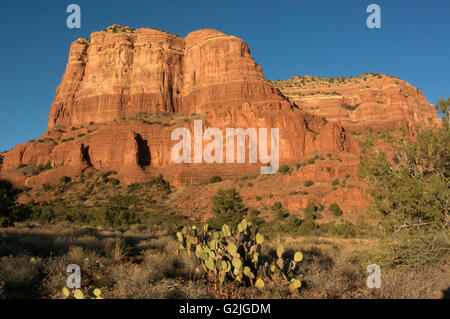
(235, 255)
(93, 293)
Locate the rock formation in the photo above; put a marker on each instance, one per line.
(374, 100)
(125, 91)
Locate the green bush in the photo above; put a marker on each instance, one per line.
(335, 182)
(309, 183)
(228, 208)
(160, 183)
(118, 212)
(65, 179)
(10, 212)
(284, 169)
(335, 209)
(47, 216)
(215, 179)
(113, 181)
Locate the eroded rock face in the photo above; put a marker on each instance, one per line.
(119, 74)
(124, 91)
(374, 100)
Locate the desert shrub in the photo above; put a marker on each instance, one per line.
(40, 168)
(335, 182)
(253, 217)
(118, 212)
(292, 224)
(335, 209)
(65, 179)
(46, 216)
(284, 169)
(20, 276)
(309, 183)
(228, 208)
(67, 139)
(10, 212)
(277, 206)
(113, 181)
(47, 140)
(77, 215)
(165, 222)
(351, 107)
(160, 183)
(345, 229)
(133, 187)
(215, 179)
(311, 208)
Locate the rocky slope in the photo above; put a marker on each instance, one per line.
(374, 100)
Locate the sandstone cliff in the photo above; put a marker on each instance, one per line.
(374, 100)
(125, 90)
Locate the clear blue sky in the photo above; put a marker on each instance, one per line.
(287, 38)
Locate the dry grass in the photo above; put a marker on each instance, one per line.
(141, 264)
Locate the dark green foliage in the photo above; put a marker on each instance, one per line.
(412, 191)
(65, 179)
(9, 211)
(284, 169)
(309, 183)
(335, 209)
(113, 181)
(47, 140)
(119, 212)
(161, 184)
(228, 208)
(68, 139)
(350, 107)
(215, 179)
(46, 216)
(40, 168)
(335, 182)
(253, 217)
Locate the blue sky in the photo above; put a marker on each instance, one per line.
(287, 38)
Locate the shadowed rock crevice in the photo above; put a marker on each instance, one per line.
(143, 151)
(85, 158)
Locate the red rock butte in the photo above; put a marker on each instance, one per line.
(124, 91)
